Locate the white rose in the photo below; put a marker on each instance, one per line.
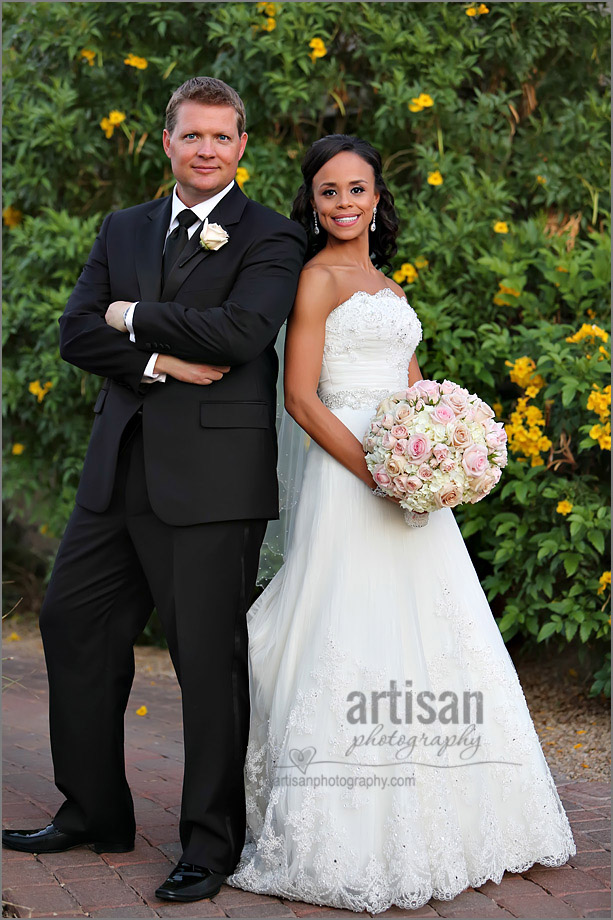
(212, 236)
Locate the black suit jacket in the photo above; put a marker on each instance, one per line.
(210, 451)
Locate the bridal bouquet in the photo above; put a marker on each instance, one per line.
(435, 445)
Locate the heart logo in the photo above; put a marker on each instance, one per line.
(302, 759)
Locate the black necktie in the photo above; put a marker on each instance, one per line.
(177, 240)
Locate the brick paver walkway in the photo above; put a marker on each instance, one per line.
(80, 883)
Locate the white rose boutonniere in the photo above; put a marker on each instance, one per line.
(212, 236)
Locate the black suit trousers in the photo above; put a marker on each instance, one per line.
(111, 569)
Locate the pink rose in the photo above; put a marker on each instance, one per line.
(413, 484)
(400, 447)
(394, 466)
(487, 480)
(481, 411)
(458, 400)
(412, 392)
(375, 427)
(428, 389)
(459, 434)
(442, 413)
(447, 465)
(499, 458)
(381, 477)
(369, 444)
(496, 437)
(425, 472)
(401, 483)
(399, 431)
(419, 404)
(403, 413)
(387, 421)
(387, 441)
(419, 447)
(449, 496)
(474, 460)
(440, 451)
(448, 386)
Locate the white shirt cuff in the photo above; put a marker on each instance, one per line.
(129, 321)
(149, 375)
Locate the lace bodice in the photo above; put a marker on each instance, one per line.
(370, 339)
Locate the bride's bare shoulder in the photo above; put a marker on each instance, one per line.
(317, 288)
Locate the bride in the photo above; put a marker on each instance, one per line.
(392, 757)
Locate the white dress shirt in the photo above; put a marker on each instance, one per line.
(202, 211)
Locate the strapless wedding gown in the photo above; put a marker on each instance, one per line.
(353, 800)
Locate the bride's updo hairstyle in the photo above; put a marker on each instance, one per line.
(382, 240)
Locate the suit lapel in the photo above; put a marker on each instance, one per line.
(150, 247)
(226, 213)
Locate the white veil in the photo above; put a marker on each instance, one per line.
(293, 447)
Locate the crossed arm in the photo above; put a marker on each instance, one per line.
(204, 344)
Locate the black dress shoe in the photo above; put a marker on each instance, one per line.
(190, 883)
(51, 839)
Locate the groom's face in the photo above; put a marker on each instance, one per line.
(204, 150)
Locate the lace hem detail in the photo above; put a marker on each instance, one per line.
(383, 900)
(358, 398)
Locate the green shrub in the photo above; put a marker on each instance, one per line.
(494, 133)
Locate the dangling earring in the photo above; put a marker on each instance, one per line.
(373, 226)
(316, 228)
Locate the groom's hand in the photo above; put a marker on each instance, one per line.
(114, 314)
(188, 372)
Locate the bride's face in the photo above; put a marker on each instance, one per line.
(344, 195)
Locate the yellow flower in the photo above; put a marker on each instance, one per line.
(578, 745)
(591, 313)
(133, 60)
(604, 354)
(541, 180)
(116, 117)
(564, 507)
(17, 449)
(270, 9)
(471, 11)
(409, 272)
(501, 301)
(501, 226)
(507, 290)
(319, 49)
(398, 277)
(560, 268)
(588, 331)
(537, 461)
(483, 9)
(599, 401)
(242, 176)
(14, 637)
(40, 391)
(532, 392)
(435, 178)
(270, 24)
(107, 127)
(522, 373)
(141, 711)
(497, 407)
(603, 581)
(423, 101)
(88, 55)
(11, 216)
(421, 262)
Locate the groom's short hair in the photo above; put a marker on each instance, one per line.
(208, 91)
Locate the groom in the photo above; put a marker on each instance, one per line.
(178, 307)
